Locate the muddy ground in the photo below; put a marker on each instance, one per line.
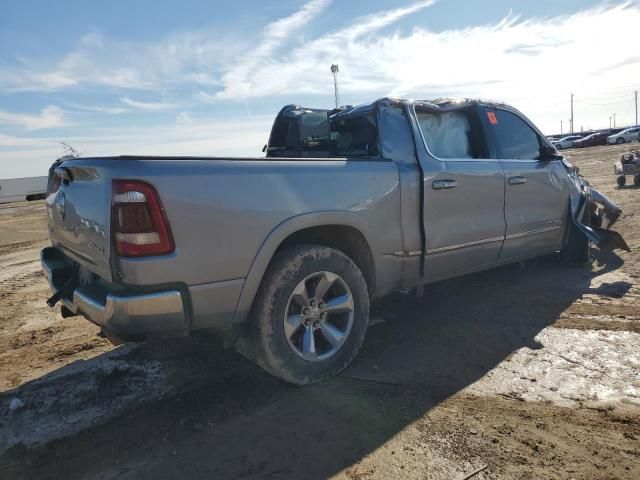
(530, 370)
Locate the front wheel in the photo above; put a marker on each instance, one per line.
(620, 141)
(310, 315)
(622, 181)
(636, 180)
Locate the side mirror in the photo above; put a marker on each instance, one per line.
(264, 149)
(547, 152)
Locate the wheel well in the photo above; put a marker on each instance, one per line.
(346, 239)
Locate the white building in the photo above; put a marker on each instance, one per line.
(20, 189)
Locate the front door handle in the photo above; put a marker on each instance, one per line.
(442, 184)
(517, 180)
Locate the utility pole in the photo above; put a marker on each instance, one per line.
(335, 70)
(571, 125)
(560, 127)
(614, 120)
(636, 94)
(610, 117)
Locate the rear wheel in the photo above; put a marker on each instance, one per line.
(622, 181)
(310, 315)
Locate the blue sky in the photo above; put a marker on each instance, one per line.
(206, 78)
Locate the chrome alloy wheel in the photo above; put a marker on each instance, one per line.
(319, 316)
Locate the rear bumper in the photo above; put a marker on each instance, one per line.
(124, 314)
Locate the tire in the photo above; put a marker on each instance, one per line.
(559, 147)
(576, 250)
(621, 180)
(285, 352)
(620, 141)
(636, 180)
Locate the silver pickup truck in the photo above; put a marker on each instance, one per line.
(287, 251)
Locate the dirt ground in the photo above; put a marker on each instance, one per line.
(531, 370)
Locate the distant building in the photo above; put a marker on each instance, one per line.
(21, 189)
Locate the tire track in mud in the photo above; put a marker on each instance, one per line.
(17, 278)
(18, 246)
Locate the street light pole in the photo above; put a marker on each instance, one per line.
(571, 125)
(335, 70)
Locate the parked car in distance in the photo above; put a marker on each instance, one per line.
(598, 138)
(566, 142)
(625, 136)
(286, 251)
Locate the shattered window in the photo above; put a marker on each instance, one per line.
(314, 130)
(355, 136)
(450, 134)
(515, 139)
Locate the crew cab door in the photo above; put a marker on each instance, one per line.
(536, 197)
(463, 194)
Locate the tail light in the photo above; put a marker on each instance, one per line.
(139, 224)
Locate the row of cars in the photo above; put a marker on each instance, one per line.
(597, 138)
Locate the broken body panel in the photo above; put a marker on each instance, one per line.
(443, 126)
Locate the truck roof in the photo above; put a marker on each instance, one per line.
(439, 103)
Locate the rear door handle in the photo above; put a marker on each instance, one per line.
(442, 184)
(517, 180)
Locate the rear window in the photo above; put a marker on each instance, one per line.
(354, 136)
(300, 133)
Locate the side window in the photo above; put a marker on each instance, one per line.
(515, 139)
(354, 136)
(455, 134)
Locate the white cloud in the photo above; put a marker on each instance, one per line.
(179, 58)
(50, 116)
(149, 106)
(261, 74)
(100, 109)
(184, 118)
(534, 63)
(239, 81)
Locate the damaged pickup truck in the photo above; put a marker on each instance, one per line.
(285, 252)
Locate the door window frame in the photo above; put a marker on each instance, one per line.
(487, 146)
(490, 134)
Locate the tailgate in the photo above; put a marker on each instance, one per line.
(79, 216)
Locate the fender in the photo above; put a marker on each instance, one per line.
(606, 239)
(281, 232)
